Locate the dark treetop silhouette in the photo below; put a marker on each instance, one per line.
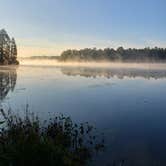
(8, 49)
(120, 54)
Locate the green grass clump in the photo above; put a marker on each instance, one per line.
(26, 141)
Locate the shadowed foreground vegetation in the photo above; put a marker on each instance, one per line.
(26, 141)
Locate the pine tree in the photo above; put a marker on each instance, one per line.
(8, 49)
(4, 46)
(13, 50)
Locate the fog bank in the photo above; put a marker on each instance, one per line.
(44, 63)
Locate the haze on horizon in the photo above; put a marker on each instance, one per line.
(47, 27)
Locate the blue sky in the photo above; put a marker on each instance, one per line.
(47, 27)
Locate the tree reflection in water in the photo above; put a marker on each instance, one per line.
(8, 77)
(120, 73)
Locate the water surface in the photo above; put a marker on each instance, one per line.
(127, 104)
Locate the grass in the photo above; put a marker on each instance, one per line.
(26, 141)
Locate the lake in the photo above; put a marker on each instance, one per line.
(128, 104)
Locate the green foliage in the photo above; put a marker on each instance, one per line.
(28, 142)
(8, 49)
(110, 54)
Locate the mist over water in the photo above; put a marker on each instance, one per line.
(56, 63)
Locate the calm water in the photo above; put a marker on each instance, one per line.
(129, 105)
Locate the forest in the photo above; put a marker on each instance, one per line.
(120, 54)
(8, 49)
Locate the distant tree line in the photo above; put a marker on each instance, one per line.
(8, 49)
(119, 54)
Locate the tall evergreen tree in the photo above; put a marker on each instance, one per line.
(13, 50)
(8, 49)
(4, 46)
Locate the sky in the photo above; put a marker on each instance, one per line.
(47, 27)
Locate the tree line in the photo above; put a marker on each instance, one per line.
(119, 54)
(8, 49)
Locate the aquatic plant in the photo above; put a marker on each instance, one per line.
(25, 141)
